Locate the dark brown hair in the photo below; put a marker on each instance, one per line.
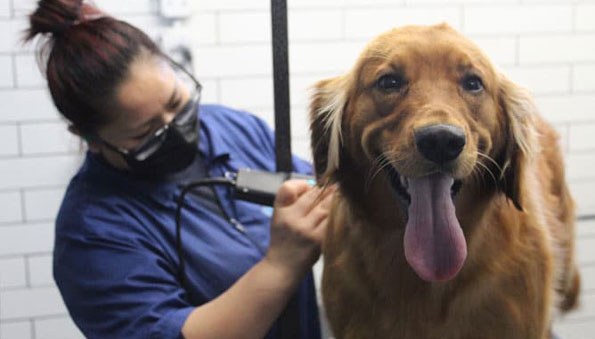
(86, 56)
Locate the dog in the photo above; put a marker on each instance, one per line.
(452, 218)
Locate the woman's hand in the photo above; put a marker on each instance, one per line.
(298, 226)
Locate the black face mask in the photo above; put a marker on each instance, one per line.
(176, 152)
(170, 149)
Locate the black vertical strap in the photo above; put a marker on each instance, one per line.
(281, 84)
(289, 321)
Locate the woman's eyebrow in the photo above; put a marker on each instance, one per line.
(173, 97)
(170, 102)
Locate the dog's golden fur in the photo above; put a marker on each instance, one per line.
(514, 206)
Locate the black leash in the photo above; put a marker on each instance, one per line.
(281, 84)
(289, 321)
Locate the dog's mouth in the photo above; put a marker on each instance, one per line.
(400, 185)
(434, 242)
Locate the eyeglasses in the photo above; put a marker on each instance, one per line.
(152, 143)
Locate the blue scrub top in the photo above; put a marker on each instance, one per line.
(115, 258)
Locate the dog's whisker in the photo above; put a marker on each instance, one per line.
(477, 177)
(377, 165)
(381, 162)
(490, 159)
(487, 169)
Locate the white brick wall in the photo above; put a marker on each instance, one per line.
(47, 138)
(42, 204)
(16, 330)
(546, 45)
(543, 18)
(584, 17)
(28, 73)
(369, 22)
(53, 328)
(582, 137)
(12, 273)
(537, 49)
(40, 270)
(5, 9)
(501, 49)
(9, 140)
(6, 72)
(26, 303)
(583, 76)
(11, 202)
(542, 79)
(19, 239)
(26, 105)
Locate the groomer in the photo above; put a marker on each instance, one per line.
(115, 256)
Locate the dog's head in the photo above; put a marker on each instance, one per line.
(424, 107)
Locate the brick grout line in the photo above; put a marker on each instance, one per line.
(218, 87)
(571, 78)
(33, 333)
(581, 181)
(517, 54)
(14, 70)
(20, 256)
(23, 206)
(574, 16)
(36, 122)
(39, 317)
(31, 122)
(580, 152)
(586, 218)
(36, 188)
(30, 223)
(45, 188)
(19, 140)
(343, 24)
(218, 29)
(567, 138)
(27, 271)
(565, 95)
(471, 35)
(462, 17)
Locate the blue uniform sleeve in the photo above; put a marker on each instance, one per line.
(116, 289)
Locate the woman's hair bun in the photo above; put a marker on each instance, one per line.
(53, 16)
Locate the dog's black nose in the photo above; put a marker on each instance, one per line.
(440, 143)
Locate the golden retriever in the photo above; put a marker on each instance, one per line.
(453, 219)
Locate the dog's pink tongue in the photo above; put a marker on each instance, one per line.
(435, 246)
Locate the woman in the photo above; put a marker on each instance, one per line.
(115, 258)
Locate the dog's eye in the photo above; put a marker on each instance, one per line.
(391, 83)
(472, 83)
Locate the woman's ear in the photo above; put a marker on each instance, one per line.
(520, 115)
(326, 113)
(92, 145)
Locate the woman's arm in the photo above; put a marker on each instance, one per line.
(250, 306)
(248, 309)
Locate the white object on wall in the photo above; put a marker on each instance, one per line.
(175, 9)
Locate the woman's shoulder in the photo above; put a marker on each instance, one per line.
(99, 208)
(231, 117)
(85, 201)
(241, 130)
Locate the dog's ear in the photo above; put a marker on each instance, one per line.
(326, 113)
(521, 145)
